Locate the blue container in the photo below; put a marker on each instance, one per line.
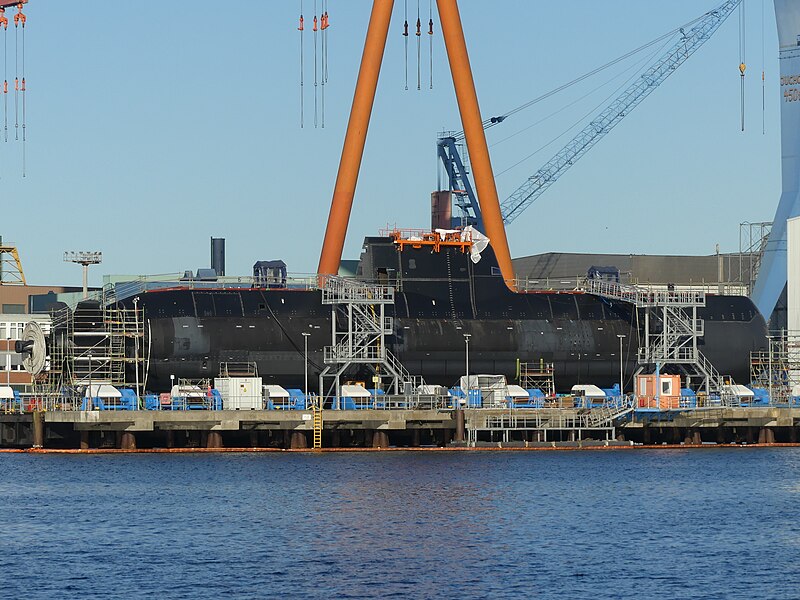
(761, 396)
(128, 401)
(297, 399)
(688, 398)
(151, 402)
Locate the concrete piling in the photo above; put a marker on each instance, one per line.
(692, 437)
(415, 441)
(214, 440)
(766, 436)
(38, 429)
(84, 444)
(380, 439)
(127, 441)
(298, 440)
(458, 415)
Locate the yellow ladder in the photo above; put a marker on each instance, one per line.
(317, 411)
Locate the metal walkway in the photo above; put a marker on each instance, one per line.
(671, 329)
(544, 424)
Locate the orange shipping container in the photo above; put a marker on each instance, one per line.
(658, 391)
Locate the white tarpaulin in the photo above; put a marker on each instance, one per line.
(354, 391)
(515, 391)
(103, 391)
(740, 391)
(6, 393)
(479, 242)
(443, 232)
(275, 391)
(588, 391)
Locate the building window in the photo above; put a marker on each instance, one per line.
(13, 309)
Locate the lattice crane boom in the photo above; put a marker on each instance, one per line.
(690, 41)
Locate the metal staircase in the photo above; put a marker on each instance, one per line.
(671, 330)
(359, 328)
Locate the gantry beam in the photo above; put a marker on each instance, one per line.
(464, 84)
(355, 138)
(6, 4)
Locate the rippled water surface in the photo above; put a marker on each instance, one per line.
(719, 523)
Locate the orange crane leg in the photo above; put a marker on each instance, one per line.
(453, 34)
(355, 137)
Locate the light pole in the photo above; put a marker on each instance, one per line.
(90, 403)
(8, 362)
(621, 367)
(136, 347)
(469, 383)
(305, 354)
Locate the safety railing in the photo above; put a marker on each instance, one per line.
(341, 290)
(646, 296)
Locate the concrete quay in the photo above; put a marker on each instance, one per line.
(352, 429)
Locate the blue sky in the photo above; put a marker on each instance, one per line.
(155, 126)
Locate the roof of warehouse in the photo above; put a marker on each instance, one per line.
(645, 268)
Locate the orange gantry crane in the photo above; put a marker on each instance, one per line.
(363, 99)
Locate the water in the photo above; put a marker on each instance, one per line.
(722, 523)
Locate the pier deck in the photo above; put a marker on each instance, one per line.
(398, 427)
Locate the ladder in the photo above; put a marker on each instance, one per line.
(317, 422)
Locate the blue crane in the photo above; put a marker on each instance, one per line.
(447, 145)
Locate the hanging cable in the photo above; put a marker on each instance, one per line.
(316, 27)
(4, 25)
(324, 56)
(490, 122)
(430, 37)
(742, 53)
(16, 76)
(405, 37)
(763, 79)
(21, 19)
(300, 29)
(419, 41)
(325, 26)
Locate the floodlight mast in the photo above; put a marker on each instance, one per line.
(85, 259)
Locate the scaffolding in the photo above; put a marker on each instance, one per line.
(359, 327)
(541, 376)
(753, 239)
(93, 344)
(671, 330)
(777, 369)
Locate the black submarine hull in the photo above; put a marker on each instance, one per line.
(440, 296)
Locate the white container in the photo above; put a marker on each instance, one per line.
(240, 393)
